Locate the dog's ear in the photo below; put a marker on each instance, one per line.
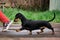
(19, 14)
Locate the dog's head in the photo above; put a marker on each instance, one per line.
(17, 17)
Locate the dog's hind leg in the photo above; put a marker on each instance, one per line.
(50, 27)
(41, 30)
(52, 30)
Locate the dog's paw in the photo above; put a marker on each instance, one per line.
(53, 33)
(30, 33)
(17, 30)
(4, 31)
(38, 32)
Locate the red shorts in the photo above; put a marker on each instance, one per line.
(3, 18)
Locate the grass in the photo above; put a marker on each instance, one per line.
(33, 15)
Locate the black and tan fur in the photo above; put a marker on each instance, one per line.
(33, 24)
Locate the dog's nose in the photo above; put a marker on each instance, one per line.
(14, 20)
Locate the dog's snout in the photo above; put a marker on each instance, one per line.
(15, 20)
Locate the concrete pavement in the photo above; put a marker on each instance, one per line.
(46, 33)
(24, 35)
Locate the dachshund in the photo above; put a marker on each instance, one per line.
(33, 24)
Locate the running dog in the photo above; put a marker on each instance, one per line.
(33, 24)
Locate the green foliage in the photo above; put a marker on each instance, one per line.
(33, 15)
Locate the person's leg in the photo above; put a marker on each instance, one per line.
(3, 18)
(7, 25)
(6, 22)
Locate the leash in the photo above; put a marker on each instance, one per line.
(8, 26)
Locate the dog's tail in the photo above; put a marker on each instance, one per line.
(52, 18)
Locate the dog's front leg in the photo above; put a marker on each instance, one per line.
(17, 30)
(30, 32)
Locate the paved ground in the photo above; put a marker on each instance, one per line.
(23, 35)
